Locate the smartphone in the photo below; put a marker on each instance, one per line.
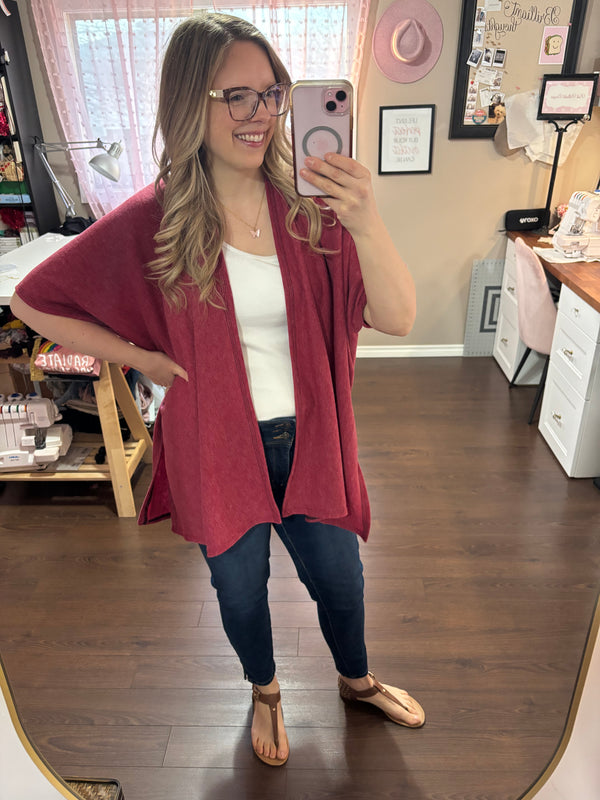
(321, 119)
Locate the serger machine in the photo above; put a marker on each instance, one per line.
(29, 439)
(578, 235)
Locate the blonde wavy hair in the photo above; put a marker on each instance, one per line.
(191, 233)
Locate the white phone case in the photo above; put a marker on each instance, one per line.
(321, 114)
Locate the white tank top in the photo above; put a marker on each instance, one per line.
(260, 311)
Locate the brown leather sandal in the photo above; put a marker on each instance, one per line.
(349, 695)
(270, 700)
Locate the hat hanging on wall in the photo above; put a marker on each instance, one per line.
(407, 41)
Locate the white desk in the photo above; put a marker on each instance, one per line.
(570, 412)
(14, 266)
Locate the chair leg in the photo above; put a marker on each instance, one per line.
(540, 389)
(520, 367)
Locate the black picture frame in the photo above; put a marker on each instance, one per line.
(458, 130)
(550, 83)
(408, 130)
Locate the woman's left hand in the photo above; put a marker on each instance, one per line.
(348, 189)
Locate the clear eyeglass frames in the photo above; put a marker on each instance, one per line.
(243, 102)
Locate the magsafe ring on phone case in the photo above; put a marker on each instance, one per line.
(320, 140)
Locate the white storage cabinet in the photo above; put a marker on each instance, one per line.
(508, 347)
(570, 415)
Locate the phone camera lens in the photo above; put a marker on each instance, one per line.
(340, 96)
(330, 105)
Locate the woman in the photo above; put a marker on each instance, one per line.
(245, 300)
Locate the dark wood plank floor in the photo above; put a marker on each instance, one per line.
(482, 572)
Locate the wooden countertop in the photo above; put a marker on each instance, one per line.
(581, 277)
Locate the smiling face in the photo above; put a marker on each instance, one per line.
(240, 146)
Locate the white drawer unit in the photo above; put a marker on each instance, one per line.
(570, 415)
(574, 355)
(506, 344)
(509, 287)
(581, 313)
(508, 347)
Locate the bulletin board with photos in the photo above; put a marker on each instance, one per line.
(505, 47)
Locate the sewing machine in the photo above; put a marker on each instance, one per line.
(28, 436)
(578, 235)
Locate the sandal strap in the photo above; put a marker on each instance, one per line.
(270, 700)
(384, 691)
(377, 688)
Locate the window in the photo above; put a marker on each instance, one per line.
(105, 58)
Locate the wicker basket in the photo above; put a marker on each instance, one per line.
(95, 789)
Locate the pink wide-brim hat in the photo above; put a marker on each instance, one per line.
(407, 41)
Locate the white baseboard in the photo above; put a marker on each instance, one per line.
(410, 351)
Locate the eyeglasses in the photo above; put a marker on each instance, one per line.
(243, 102)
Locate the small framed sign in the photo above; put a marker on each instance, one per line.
(405, 139)
(567, 96)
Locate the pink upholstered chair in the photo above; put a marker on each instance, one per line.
(537, 312)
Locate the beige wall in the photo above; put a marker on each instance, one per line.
(443, 221)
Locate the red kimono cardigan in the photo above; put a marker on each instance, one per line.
(209, 469)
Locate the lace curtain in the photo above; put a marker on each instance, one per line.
(103, 61)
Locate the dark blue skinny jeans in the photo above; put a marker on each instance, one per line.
(327, 561)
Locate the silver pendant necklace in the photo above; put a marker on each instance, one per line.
(254, 229)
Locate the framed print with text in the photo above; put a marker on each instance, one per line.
(405, 139)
